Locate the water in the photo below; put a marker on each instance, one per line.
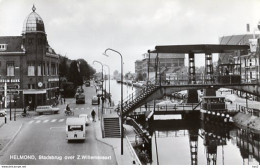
(217, 143)
(115, 89)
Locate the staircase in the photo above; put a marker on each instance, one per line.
(111, 127)
(136, 99)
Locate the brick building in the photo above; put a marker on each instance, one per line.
(28, 66)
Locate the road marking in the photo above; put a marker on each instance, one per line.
(82, 108)
(45, 121)
(30, 122)
(60, 120)
(38, 117)
(76, 108)
(57, 128)
(53, 120)
(38, 121)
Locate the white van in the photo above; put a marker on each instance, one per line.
(75, 129)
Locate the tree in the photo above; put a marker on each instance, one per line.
(63, 67)
(139, 77)
(74, 75)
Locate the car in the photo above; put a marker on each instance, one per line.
(166, 104)
(46, 109)
(2, 113)
(95, 100)
(80, 98)
(86, 118)
(87, 83)
(80, 90)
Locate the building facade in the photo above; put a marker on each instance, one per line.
(29, 66)
(249, 61)
(163, 63)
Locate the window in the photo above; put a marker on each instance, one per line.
(3, 47)
(39, 69)
(75, 128)
(31, 69)
(43, 69)
(10, 68)
(48, 69)
(53, 69)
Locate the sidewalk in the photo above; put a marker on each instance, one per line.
(115, 143)
(9, 132)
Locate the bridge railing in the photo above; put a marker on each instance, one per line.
(177, 107)
(203, 79)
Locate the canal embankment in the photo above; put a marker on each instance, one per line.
(248, 115)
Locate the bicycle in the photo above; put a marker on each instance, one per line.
(23, 115)
(68, 113)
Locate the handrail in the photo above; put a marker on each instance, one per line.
(132, 151)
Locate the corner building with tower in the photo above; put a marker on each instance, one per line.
(29, 67)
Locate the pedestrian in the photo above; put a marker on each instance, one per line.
(64, 100)
(93, 114)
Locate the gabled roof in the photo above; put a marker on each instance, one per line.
(242, 39)
(14, 43)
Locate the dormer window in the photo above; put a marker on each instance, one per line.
(3, 47)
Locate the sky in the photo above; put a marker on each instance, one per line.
(86, 28)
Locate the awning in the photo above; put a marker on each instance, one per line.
(34, 91)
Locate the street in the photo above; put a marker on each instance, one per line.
(42, 140)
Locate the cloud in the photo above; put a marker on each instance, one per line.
(85, 28)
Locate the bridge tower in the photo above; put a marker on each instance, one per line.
(209, 78)
(193, 138)
(192, 93)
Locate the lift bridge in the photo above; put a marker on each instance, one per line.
(229, 76)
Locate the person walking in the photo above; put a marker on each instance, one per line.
(93, 114)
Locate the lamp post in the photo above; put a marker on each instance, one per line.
(122, 130)
(108, 83)
(102, 80)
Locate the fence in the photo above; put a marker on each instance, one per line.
(132, 151)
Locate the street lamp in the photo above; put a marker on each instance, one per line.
(102, 80)
(10, 93)
(122, 130)
(108, 83)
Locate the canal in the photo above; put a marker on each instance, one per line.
(187, 142)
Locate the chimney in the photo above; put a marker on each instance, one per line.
(247, 27)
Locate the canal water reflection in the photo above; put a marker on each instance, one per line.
(183, 142)
(192, 141)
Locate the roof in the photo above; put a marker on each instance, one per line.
(75, 121)
(33, 23)
(236, 39)
(199, 48)
(14, 43)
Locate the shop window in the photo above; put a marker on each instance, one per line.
(10, 68)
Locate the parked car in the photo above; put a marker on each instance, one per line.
(46, 109)
(2, 113)
(95, 100)
(166, 104)
(86, 118)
